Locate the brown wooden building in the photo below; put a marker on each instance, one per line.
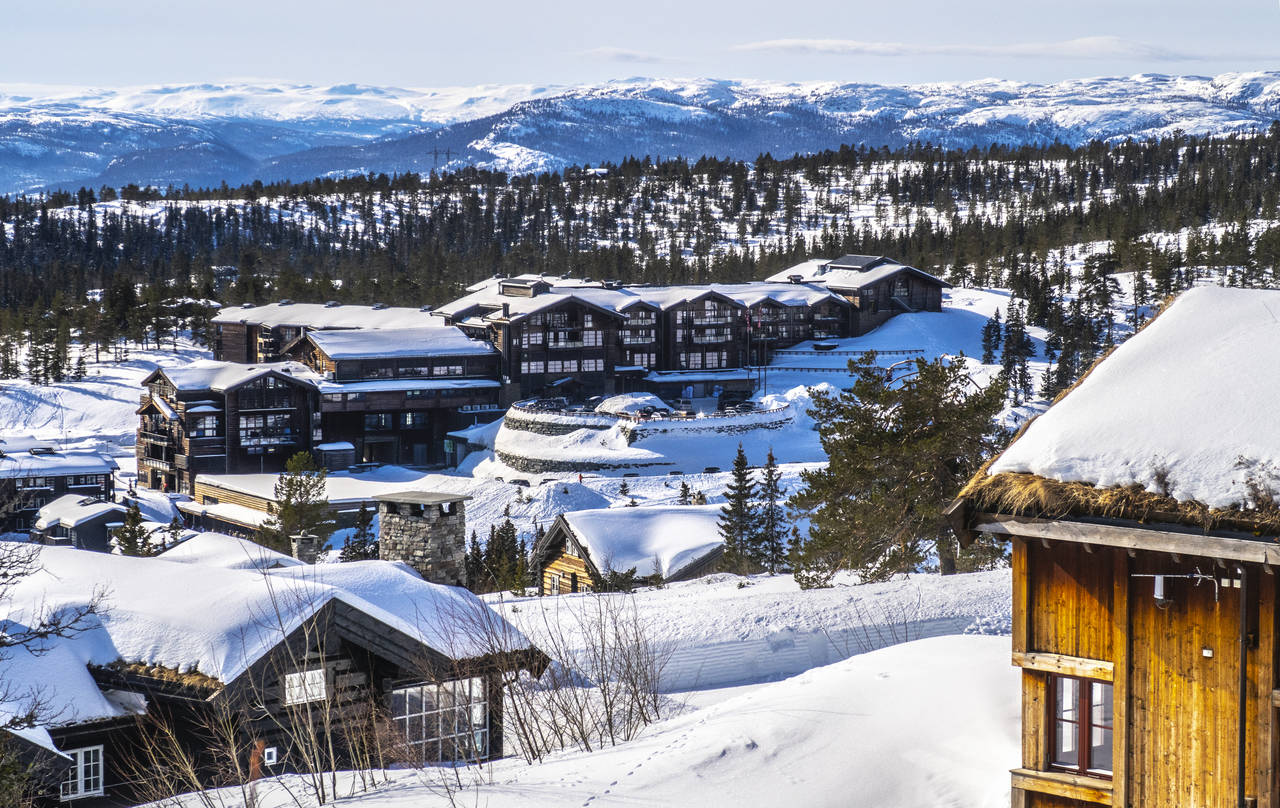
(395, 393)
(664, 543)
(1145, 551)
(251, 334)
(876, 287)
(223, 418)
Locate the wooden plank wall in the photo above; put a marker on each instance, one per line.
(565, 565)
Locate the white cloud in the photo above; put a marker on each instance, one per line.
(1093, 47)
(629, 56)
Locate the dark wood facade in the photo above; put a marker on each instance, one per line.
(1176, 630)
(362, 664)
(250, 427)
(399, 408)
(874, 303)
(32, 478)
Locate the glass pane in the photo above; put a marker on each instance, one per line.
(1100, 705)
(1064, 744)
(1067, 697)
(398, 701)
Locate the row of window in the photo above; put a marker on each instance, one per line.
(338, 398)
(382, 421)
(701, 361)
(266, 429)
(563, 366)
(415, 371)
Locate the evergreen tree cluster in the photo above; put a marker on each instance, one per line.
(753, 522)
(502, 562)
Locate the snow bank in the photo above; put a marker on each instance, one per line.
(929, 723)
(630, 403)
(1187, 401)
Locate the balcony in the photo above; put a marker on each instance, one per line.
(715, 319)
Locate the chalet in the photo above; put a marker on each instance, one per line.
(251, 334)
(238, 504)
(288, 652)
(1141, 509)
(34, 473)
(875, 286)
(394, 393)
(76, 521)
(666, 543)
(221, 417)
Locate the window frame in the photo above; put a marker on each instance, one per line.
(77, 771)
(1084, 725)
(298, 688)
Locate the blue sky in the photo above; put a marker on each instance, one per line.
(430, 43)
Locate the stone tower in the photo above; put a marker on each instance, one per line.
(427, 531)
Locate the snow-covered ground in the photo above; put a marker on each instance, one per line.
(927, 723)
(726, 630)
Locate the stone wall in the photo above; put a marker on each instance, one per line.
(425, 537)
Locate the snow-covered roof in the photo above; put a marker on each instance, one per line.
(673, 535)
(212, 620)
(828, 273)
(486, 296)
(226, 511)
(323, 316)
(437, 340)
(56, 464)
(346, 486)
(387, 385)
(478, 434)
(1187, 401)
(70, 510)
(226, 552)
(690, 376)
(210, 374)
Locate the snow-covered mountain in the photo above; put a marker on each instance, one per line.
(204, 134)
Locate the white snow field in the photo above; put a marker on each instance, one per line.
(725, 630)
(927, 723)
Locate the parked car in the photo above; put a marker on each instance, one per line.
(825, 346)
(549, 404)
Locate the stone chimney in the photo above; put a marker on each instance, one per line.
(306, 547)
(427, 531)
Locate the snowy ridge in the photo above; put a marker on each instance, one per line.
(206, 133)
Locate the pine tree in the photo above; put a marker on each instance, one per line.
(173, 534)
(771, 551)
(131, 537)
(900, 448)
(624, 489)
(991, 335)
(362, 545)
(738, 518)
(1018, 349)
(474, 564)
(685, 493)
(300, 505)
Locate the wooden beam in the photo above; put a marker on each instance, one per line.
(1021, 564)
(1131, 538)
(1264, 728)
(1064, 784)
(1121, 653)
(1065, 665)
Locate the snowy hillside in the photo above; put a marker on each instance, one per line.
(203, 134)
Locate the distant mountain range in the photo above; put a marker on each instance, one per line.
(209, 133)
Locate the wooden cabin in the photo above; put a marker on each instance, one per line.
(1145, 536)
(295, 656)
(665, 543)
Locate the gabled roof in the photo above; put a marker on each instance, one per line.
(324, 316)
(386, 343)
(71, 510)
(219, 377)
(218, 622)
(850, 272)
(58, 464)
(672, 536)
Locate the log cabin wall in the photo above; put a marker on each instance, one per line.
(1089, 611)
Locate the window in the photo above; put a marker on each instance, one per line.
(447, 370)
(84, 778)
(1081, 725)
(331, 398)
(377, 421)
(592, 365)
(533, 367)
(444, 722)
(592, 339)
(304, 686)
(415, 420)
(264, 430)
(204, 426)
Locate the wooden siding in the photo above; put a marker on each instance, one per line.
(1089, 610)
(1070, 600)
(565, 566)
